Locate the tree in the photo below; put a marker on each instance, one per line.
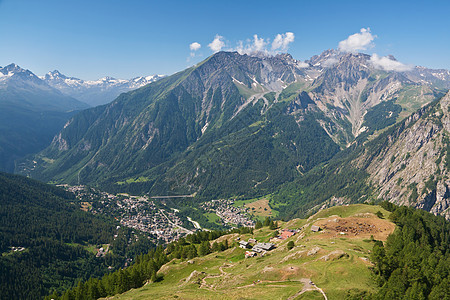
(290, 245)
(204, 248)
(258, 225)
(273, 225)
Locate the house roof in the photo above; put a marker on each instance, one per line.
(315, 228)
(263, 246)
(286, 234)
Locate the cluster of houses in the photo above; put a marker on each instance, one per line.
(262, 248)
(137, 212)
(286, 233)
(255, 247)
(228, 213)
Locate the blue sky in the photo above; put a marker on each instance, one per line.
(124, 39)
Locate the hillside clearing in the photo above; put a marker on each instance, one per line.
(320, 266)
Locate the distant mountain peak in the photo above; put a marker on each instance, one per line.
(14, 68)
(95, 92)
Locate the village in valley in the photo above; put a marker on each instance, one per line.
(229, 214)
(151, 216)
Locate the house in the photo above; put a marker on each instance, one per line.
(250, 254)
(286, 233)
(315, 228)
(244, 244)
(252, 240)
(263, 247)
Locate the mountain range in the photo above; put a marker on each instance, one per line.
(244, 126)
(95, 92)
(31, 113)
(33, 109)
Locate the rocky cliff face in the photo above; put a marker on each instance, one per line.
(411, 165)
(348, 89)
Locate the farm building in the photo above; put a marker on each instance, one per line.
(315, 228)
(286, 233)
(244, 244)
(263, 247)
(250, 254)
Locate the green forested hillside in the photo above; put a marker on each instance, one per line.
(194, 132)
(414, 263)
(46, 241)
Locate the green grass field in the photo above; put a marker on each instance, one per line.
(335, 265)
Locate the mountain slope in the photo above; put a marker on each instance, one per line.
(31, 113)
(353, 86)
(319, 263)
(232, 125)
(95, 92)
(154, 128)
(407, 164)
(412, 164)
(39, 234)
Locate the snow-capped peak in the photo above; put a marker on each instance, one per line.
(14, 71)
(95, 92)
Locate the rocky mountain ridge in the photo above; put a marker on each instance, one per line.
(412, 167)
(232, 125)
(23, 88)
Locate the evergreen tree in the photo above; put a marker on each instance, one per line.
(258, 224)
(290, 245)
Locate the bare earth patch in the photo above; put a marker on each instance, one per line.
(355, 227)
(85, 206)
(260, 208)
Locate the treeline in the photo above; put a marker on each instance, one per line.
(268, 222)
(146, 266)
(119, 281)
(414, 263)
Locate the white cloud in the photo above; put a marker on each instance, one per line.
(387, 64)
(330, 62)
(217, 44)
(282, 41)
(258, 43)
(302, 64)
(357, 41)
(252, 46)
(195, 46)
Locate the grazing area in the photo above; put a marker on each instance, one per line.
(364, 226)
(260, 208)
(314, 268)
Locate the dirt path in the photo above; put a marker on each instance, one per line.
(222, 273)
(308, 285)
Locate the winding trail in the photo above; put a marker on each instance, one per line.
(222, 273)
